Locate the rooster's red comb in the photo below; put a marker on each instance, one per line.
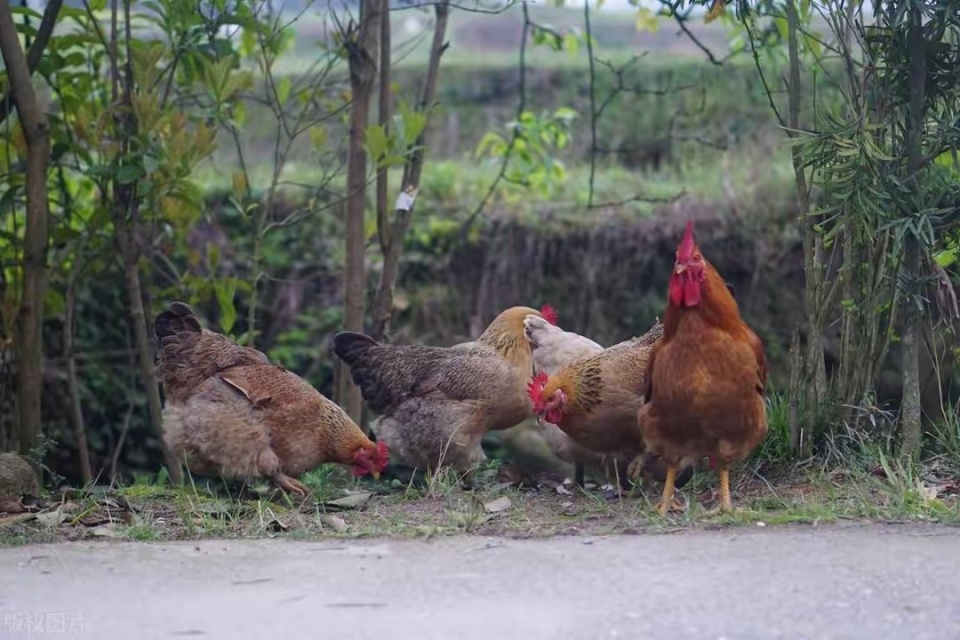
(549, 314)
(687, 245)
(535, 389)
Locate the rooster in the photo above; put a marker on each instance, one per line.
(436, 403)
(705, 377)
(230, 412)
(595, 400)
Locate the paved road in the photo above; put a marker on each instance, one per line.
(851, 582)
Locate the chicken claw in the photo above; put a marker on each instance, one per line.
(726, 504)
(290, 485)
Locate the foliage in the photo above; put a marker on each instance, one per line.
(237, 166)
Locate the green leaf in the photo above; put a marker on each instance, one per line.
(129, 173)
(377, 141)
(225, 290)
(646, 20)
(414, 123)
(283, 90)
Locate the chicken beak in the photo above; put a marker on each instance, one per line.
(679, 269)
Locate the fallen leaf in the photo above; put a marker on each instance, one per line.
(20, 518)
(334, 522)
(927, 492)
(353, 500)
(500, 504)
(562, 490)
(51, 519)
(95, 519)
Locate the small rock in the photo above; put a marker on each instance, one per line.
(562, 490)
(500, 504)
(104, 531)
(70, 507)
(336, 523)
(761, 524)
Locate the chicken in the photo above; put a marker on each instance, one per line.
(595, 399)
(230, 412)
(436, 403)
(17, 481)
(705, 377)
(552, 348)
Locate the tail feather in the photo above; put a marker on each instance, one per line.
(349, 345)
(652, 335)
(187, 354)
(178, 318)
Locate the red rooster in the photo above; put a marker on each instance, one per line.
(705, 377)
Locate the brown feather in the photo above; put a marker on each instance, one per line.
(230, 412)
(603, 395)
(438, 402)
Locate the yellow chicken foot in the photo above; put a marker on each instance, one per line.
(725, 503)
(666, 501)
(287, 483)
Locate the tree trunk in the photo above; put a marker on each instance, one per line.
(362, 46)
(131, 272)
(36, 132)
(73, 384)
(910, 408)
(391, 239)
(814, 373)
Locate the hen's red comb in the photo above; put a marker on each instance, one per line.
(549, 314)
(535, 389)
(685, 250)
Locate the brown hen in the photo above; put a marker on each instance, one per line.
(436, 403)
(594, 400)
(230, 412)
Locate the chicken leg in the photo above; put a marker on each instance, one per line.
(725, 503)
(666, 501)
(287, 483)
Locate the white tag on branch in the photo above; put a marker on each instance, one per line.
(406, 199)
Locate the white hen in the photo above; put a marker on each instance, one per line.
(553, 348)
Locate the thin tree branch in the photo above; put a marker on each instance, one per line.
(35, 53)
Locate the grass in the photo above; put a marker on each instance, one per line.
(781, 494)
(853, 478)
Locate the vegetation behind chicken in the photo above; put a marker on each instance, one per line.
(436, 403)
(229, 411)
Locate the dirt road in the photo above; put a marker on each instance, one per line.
(828, 582)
